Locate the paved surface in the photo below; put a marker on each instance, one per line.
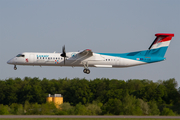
(82, 116)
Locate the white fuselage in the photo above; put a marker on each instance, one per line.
(87, 58)
(73, 59)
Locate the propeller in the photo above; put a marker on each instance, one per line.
(63, 53)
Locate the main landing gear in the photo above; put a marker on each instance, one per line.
(15, 68)
(86, 69)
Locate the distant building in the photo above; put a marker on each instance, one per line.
(57, 99)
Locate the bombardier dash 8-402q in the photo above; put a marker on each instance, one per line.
(87, 58)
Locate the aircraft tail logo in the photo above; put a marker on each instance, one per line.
(160, 44)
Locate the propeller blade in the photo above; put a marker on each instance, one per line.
(64, 49)
(64, 60)
(63, 52)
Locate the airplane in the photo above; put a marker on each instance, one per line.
(87, 58)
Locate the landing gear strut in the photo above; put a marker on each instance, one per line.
(15, 68)
(86, 69)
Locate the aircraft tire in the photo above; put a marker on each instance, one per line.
(15, 68)
(87, 71)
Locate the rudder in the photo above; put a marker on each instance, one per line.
(160, 44)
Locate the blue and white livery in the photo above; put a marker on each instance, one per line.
(87, 58)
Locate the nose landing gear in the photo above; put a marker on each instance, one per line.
(15, 68)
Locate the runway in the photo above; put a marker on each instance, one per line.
(83, 116)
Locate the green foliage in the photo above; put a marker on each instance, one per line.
(67, 108)
(119, 97)
(172, 96)
(167, 111)
(16, 109)
(153, 108)
(94, 108)
(40, 109)
(131, 106)
(48, 109)
(60, 112)
(4, 109)
(80, 109)
(113, 107)
(144, 107)
(128, 106)
(79, 91)
(34, 109)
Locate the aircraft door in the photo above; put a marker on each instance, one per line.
(117, 61)
(31, 58)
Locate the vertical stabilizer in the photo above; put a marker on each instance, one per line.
(162, 39)
(160, 44)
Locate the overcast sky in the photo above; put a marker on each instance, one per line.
(114, 26)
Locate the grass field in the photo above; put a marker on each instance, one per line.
(87, 119)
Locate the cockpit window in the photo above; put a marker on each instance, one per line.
(20, 55)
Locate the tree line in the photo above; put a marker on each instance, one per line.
(100, 96)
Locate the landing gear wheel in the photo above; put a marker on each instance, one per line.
(87, 71)
(15, 68)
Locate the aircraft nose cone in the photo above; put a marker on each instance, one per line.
(10, 61)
